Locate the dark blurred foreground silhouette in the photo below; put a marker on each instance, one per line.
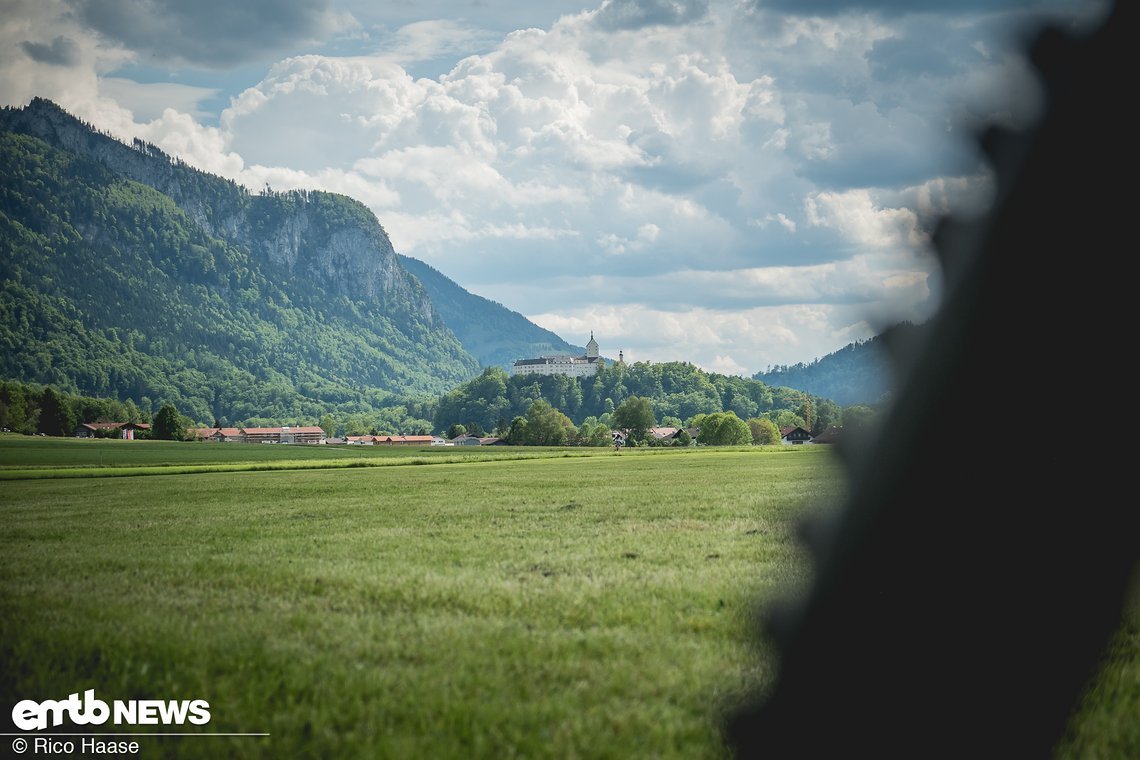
(962, 596)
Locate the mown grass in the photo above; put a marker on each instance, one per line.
(585, 606)
(18, 452)
(572, 603)
(24, 458)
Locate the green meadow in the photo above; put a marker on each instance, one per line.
(371, 602)
(23, 457)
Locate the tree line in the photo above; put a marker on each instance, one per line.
(34, 409)
(678, 391)
(543, 425)
(520, 410)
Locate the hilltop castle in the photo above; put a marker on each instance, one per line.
(574, 366)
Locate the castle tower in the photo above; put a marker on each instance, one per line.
(592, 347)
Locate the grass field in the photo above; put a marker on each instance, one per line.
(23, 457)
(369, 602)
(594, 605)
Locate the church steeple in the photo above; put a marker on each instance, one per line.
(592, 347)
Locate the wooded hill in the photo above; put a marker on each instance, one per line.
(858, 373)
(125, 273)
(677, 390)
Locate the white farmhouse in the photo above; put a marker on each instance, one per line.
(574, 366)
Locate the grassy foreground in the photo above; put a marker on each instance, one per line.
(587, 606)
(496, 603)
(23, 457)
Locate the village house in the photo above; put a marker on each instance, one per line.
(393, 440)
(215, 434)
(467, 440)
(284, 434)
(303, 435)
(262, 434)
(360, 440)
(126, 430)
(794, 435)
(227, 435)
(405, 440)
(663, 433)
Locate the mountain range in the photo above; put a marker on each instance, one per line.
(126, 273)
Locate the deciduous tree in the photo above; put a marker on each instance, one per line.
(546, 426)
(169, 424)
(764, 431)
(636, 415)
(56, 415)
(724, 429)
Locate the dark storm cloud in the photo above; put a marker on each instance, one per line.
(832, 7)
(1030, 11)
(207, 33)
(61, 52)
(636, 14)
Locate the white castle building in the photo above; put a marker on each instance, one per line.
(574, 366)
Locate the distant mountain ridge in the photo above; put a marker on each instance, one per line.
(494, 334)
(858, 373)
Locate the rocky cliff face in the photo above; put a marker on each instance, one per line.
(327, 239)
(307, 236)
(128, 274)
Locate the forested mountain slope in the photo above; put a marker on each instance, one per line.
(126, 273)
(858, 373)
(494, 334)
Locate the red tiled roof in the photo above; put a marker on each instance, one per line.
(115, 425)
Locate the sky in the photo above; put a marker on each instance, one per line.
(740, 184)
